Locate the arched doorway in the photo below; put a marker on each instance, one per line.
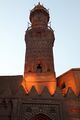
(40, 116)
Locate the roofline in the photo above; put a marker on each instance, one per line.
(72, 69)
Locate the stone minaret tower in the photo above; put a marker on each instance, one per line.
(39, 63)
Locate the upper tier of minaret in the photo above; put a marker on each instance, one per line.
(39, 16)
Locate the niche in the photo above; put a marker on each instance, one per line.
(63, 86)
(48, 70)
(39, 68)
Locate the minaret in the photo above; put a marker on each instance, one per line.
(39, 63)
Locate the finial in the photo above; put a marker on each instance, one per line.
(38, 3)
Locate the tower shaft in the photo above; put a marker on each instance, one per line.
(39, 63)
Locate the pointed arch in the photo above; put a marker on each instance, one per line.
(40, 116)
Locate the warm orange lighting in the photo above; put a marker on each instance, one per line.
(39, 81)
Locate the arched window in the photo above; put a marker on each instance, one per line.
(39, 68)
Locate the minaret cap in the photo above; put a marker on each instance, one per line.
(37, 8)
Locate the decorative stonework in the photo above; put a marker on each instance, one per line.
(51, 110)
(39, 61)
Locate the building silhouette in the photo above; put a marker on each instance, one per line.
(38, 94)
